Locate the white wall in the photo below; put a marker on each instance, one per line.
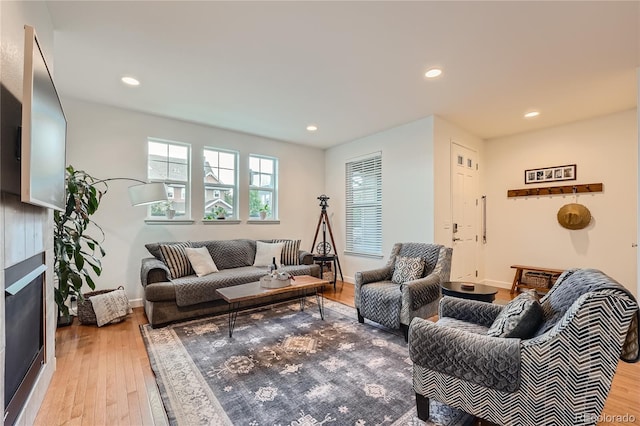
(112, 142)
(407, 188)
(524, 230)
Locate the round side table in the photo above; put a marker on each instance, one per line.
(481, 292)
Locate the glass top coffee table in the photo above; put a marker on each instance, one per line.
(301, 286)
(481, 292)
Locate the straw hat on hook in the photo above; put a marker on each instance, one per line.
(574, 216)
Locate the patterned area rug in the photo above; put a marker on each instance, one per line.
(284, 366)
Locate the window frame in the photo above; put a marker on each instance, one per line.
(235, 187)
(169, 182)
(370, 210)
(273, 189)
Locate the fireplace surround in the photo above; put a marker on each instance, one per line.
(24, 332)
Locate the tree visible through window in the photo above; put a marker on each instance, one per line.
(364, 206)
(220, 183)
(168, 162)
(263, 175)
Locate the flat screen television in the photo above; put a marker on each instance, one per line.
(44, 132)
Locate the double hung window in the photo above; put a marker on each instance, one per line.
(220, 183)
(364, 206)
(263, 186)
(169, 162)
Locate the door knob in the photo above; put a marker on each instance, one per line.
(457, 239)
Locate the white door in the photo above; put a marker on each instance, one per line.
(464, 212)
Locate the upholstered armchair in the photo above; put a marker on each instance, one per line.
(560, 374)
(408, 286)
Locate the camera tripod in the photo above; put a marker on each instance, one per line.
(324, 248)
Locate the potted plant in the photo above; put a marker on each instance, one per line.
(220, 212)
(76, 253)
(169, 210)
(264, 211)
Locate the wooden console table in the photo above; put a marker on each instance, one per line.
(553, 275)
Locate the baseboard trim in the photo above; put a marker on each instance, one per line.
(136, 303)
(494, 283)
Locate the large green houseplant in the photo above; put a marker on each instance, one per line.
(77, 239)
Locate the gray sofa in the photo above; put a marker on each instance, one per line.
(168, 299)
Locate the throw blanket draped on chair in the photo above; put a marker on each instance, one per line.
(560, 375)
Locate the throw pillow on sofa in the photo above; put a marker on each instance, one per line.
(289, 252)
(520, 318)
(407, 269)
(175, 257)
(265, 252)
(201, 261)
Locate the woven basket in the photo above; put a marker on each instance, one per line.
(86, 314)
(537, 279)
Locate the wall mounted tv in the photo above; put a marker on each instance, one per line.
(44, 131)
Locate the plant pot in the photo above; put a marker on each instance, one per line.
(171, 213)
(64, 321)
(263, 215)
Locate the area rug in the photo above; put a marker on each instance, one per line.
(284, 366)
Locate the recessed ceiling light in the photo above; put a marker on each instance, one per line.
(433, 73)
(532, 114)
(312, 128)
(130, 81)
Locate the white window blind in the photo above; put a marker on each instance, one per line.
(364, 206)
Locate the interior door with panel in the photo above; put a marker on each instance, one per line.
(464, 212)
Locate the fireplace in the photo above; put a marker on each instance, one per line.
(24, 324)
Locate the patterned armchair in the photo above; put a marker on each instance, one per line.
(560, 376)
(408, 286)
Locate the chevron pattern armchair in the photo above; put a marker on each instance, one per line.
(559, 376)
(387, 297)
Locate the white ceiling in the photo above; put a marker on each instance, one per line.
(353, 68)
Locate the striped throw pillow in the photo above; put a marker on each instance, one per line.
(175, 257)
(289, 252)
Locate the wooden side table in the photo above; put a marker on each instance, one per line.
(518, 282)
(322, 260)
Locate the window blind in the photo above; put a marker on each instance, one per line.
(364, 206)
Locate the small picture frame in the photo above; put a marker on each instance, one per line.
(551, 174)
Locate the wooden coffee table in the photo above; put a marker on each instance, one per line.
(481, 292)
(302, 286)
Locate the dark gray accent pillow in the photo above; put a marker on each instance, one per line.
(154, 249)
(520, 318)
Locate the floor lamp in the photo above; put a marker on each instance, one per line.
(141, 194)
(147, 193)
(144, 193)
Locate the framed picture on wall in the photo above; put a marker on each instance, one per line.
(551, 174)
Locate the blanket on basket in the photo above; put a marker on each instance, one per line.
(110, 307)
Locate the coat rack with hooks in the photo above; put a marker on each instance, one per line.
(555, 190)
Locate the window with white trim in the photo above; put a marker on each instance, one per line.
(220, 183)
(364, 206)
(169, 162)
(263, 187)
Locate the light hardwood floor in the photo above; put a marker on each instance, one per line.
(103, 376)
